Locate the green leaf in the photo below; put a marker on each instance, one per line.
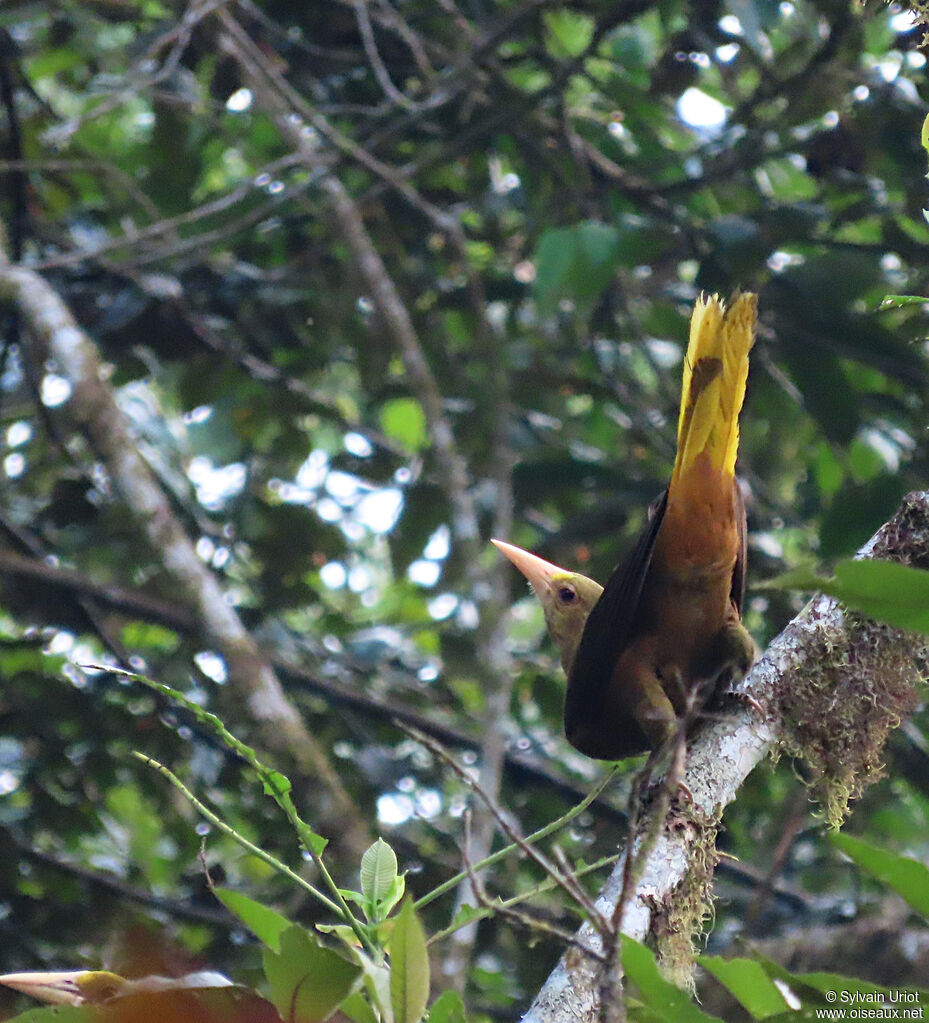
(404, 421)
(309, 837)
(356, 1007)
(803, 577)
(276, 784)
(378, 871)
(858, 508)
(668, 1002)
(467, 914)
(265, 923)
(907, 877)
(826, 982)
(20, 656)
(554, 259)
(575, 263)
(568, 33)
(377, 985)
(747, 981)
(813, 988)
(448, 1008)
(145, 830)
(153, 637)
(924, 137)
(409, 966)
(828, 469)
(307, 981)
(53, 62)
(597, 242)
(884, 590)
(636, 1012)
(396, 893)
(896, 301)
(827, 393)
(58, 1014)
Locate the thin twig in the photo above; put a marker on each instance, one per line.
(226, 829)
(140, 81)
(381, 73)
(169, 905)
(567, 884)
(275, 785)
(544, 886)
(168, 225)
(496, 907)
(532, 839)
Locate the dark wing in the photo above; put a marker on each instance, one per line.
(610, 628)
(741, 559)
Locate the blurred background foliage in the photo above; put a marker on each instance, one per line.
(605, 162)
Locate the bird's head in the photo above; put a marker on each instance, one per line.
(567, 598)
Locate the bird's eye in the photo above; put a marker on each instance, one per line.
(567, 595)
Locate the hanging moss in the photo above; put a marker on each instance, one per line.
(681, 918)
(860, 682)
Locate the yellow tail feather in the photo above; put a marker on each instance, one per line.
(715, 372)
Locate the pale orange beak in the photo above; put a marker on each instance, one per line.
(537, 570)
(59, 988)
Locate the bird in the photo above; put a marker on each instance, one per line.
(97, 987)
(653, 645)
(202, 997)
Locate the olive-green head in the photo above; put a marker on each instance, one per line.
(567, 598)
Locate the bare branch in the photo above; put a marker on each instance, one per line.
(95, 410)
(366, 30)
(140, 78)
(170, 906)
(280, 100)
(166, 226)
